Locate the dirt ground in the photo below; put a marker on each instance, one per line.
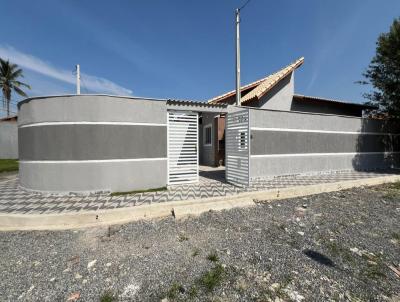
(341, 246)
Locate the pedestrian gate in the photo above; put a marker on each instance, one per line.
(237, 148)
(183, 165)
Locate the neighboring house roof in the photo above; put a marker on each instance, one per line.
(299, 97)
(260, 87)
(9, 118)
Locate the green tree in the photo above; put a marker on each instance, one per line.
(383, 73)
(9, 82)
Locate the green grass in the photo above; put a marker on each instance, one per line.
(108, 297)
(8, 165)
(139, 191)
(213, 277)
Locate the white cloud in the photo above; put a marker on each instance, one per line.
(93, 83)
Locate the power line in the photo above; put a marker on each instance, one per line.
(244, 5)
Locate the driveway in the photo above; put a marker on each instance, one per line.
(14, 200)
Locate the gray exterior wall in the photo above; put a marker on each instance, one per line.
(279, 97)
(91, 143)
(8, 140)
(284, 142)
(206, 153)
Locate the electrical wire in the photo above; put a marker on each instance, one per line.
(244, 5)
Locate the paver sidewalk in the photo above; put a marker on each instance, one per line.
(14, 200)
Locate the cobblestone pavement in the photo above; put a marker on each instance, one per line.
(14, 200)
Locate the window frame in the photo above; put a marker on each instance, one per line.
(208, 126)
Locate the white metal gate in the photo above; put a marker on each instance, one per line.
(183, 165)
(237, 148)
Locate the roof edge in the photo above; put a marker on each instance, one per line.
(311, 98)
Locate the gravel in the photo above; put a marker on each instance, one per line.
(327, 247)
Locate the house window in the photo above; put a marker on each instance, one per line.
(207, 135)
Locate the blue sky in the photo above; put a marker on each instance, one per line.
(184, 49)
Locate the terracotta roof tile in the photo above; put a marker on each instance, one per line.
(261, 86)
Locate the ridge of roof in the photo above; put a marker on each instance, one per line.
(266, 84)
(315, 98)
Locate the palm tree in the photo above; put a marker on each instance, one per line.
(9, 74)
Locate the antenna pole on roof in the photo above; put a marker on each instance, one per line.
(238, 102)
(78, 79)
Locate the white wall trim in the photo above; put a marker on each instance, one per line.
(91, 161)
(319, 154)
(91, 123)
(320, 131)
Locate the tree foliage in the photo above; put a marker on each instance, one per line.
(383, 73)
(9, 82)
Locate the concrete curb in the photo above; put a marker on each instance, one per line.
(13, 222)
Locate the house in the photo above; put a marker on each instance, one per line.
(9, 137)
(273, 92)
(91, 143)
(276, 92)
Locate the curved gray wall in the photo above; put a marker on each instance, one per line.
(91, 143)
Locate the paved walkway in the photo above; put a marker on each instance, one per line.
(13, 200)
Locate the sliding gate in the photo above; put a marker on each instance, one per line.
(183, 165)
(237, 148)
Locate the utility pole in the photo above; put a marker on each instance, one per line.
(78, 79)
(238, 102)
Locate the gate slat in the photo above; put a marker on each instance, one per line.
(183, 165)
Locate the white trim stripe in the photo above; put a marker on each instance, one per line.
(91, 123)
(91, 161)
(320, 131)
(320, 154)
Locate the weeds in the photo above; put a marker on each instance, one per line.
(213, 277)
(108, 296)
(213, 257)
(375, 271)
(174, 290)
(182, 238)
(195, 252)
(396, 236)
(339, 251)
(193, 292)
